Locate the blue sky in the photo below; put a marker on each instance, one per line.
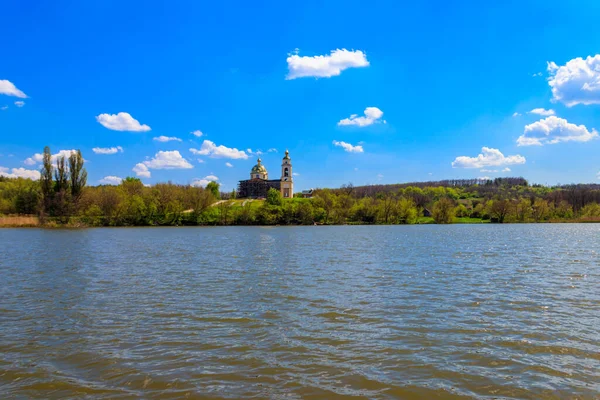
(448, 90)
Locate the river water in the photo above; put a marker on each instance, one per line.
(460, 311)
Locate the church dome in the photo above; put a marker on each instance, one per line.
(259, 168)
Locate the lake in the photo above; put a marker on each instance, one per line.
(381, 312)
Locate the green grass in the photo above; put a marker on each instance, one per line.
(467, 220)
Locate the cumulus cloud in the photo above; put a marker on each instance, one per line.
(506, 169)
(484, 178)
(204, 181)
(542, 111)
(296, 174)
(166, 139)
(141, 170)
(121, 122)
(576, 82)
(168, 160)
(348, 147)
(554, 130)
(228, 164)
(111, 180)
(254, 153)
(9, 89)
(208, 148)
(488, 171)
(20, 173)
(488, 158)
(272, 150)
(197, 133)
(107, 150)
(516, 114)
(39, 157)
(372, 115)
(19, 103)
(325, 66)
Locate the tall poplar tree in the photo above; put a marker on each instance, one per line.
(46, 181)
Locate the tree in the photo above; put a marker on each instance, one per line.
(46, 181)
(523, 209)
(499, 209)
(540, 210)
(443, 211)
(406, 211)
(213, 187)
(78, 175)
(274, 197)
(386, 206)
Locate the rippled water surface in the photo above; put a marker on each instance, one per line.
(473, 311)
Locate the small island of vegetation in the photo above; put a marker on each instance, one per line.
(62, 198)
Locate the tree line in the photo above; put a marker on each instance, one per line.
(61, 196)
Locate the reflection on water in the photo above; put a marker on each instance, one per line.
(301, 312)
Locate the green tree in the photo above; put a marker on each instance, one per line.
(443, 211)
(406, 211)
(213, 187)
(540, 210)
(46, 181)
(274, 197)
(78, 175)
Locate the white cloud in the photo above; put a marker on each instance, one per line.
(325, 66)
(598, 175)
(506, 169)
(19, 103)
(4, 108)
(230, 165)
(488, 171)
(254, 153)
(576, 82)
(168, 160)
(542, 111)
(208, 148)
(348, 147)
(107, 150)
(295, 174)
(111, 180)
(201, 161)
(484, 178)
(121, 122)
(204, 181)
(272, 150)
(372, 115)
(9, 89)
(516, 114)
(166, 139)
(39, 157)
(20, 173)
(141, 170)
(197, 133)
(488, 158)
(537, 74)
(553, 130)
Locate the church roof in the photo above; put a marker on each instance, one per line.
(259, 168)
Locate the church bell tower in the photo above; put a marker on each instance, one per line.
(287, 182)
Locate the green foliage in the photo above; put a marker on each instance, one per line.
(62, 195)
(274, 197)
(213, 187)
(443, 211)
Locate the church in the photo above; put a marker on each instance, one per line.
(259, 183)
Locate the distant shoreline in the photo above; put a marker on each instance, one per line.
(34, 222)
